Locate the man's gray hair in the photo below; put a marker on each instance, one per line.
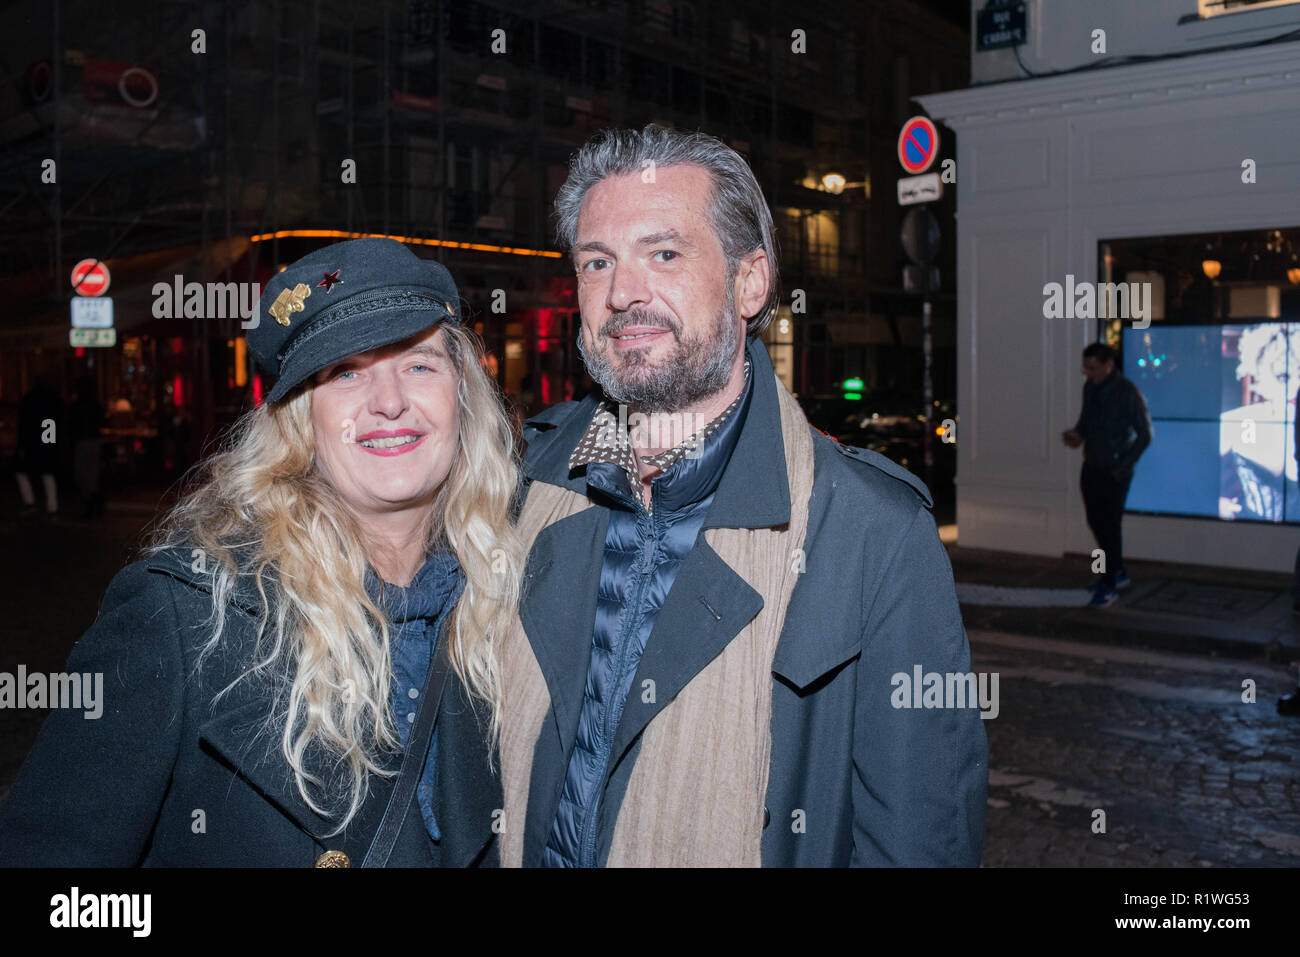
(739, 214)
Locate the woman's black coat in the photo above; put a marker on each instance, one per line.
(166, 778)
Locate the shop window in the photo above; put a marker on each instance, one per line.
(1217, 359)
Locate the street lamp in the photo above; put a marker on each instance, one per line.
(834, 183)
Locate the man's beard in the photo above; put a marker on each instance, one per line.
(696, 369)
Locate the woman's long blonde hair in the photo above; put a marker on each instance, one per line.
(322, 643)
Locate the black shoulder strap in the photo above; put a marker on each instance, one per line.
(399, 801)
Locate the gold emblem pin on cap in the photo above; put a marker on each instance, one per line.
(289, 301)
(333, 859)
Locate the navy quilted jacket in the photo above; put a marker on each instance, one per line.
(643, 551)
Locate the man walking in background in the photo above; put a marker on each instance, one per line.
(40, 415)
(1114, 429)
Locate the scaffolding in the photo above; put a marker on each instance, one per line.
(452, 140)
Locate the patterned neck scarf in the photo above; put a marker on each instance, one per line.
(607, 440)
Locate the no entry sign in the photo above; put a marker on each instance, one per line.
(918, 145)
(90, 278)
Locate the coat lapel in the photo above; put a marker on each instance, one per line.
(558, 605)
(467, 793)
(707, 606)
(191, 568)
(754, 491)
(558, 612)
(237, 737)
(237, 734)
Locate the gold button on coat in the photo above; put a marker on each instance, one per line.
(333, 859)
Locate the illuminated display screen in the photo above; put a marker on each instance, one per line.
(1222, 401)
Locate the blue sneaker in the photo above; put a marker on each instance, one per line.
(1102, 595)
(1121, 581)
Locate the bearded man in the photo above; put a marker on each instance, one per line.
(719, 599)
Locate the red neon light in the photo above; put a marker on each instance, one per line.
(545, 328)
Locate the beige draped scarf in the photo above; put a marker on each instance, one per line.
(696, 793)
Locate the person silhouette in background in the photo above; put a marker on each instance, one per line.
(39, 415)
(85, 419)
(1114, 429)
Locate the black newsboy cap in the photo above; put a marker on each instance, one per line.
(343, 300)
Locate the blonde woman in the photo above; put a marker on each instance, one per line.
(304, 670)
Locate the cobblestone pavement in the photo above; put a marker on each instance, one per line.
(1187, 773)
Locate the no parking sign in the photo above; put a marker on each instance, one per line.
(918, 145)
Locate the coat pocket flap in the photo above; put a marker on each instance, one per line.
(811, 649)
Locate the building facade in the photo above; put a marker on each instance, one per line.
(1190, 156)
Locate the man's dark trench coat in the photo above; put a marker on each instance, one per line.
(854, 780)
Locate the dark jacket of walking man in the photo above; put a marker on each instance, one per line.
(1114, 429)
(728, 617)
